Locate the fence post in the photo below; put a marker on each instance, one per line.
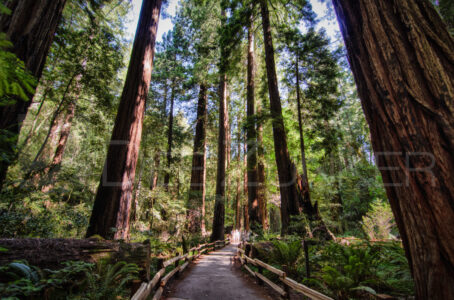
(287, 291)
(176, 265)
(160, 263)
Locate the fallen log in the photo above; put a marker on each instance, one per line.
(50, 253)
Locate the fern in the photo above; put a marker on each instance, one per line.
(288, 254)
(15, 81)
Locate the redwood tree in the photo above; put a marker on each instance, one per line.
(286, 170)
(219, 206)
(196, 201)
(31, 28)
(251, 134)
(401, 55)
(111, 210)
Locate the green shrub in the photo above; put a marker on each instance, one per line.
(76, 280)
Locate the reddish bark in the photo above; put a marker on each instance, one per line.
(196, 201)
(112, 204)
(219, 206)
(287, 179)
(401, 55)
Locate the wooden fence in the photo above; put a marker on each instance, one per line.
(180, 262)
(288, 283)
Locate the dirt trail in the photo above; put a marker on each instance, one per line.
(215, 277)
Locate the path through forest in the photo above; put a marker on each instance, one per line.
(215, 276)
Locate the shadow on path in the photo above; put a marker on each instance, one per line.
(215, 276)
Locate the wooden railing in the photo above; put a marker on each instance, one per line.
(159, 281)
(288, 283)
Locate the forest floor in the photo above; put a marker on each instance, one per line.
(216, 276)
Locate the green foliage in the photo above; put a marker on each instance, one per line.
(110, 280)
(346, 272)
(75, 280)
(36, 214)
(16, 83)
(379, 221)
(288, 254)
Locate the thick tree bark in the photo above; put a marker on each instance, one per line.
(219, 205)
(287, 179)
(170, 136)
(401, 55)
(31, 28)
(113, 199)
(251, 136)
(196, 201)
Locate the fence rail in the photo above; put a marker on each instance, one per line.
(289, 284)
(159, 281)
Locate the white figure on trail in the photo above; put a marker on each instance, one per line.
(236, 236)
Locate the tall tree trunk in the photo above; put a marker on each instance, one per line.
(238, 186)
(310, 211)
(45, 150)
(154, 176)
(401, 55)
(305, 192)
(64, 133)
(287, 178)
(251, 135)
(113, 199)
(44, 153)
(153, 184)
(31, 28)
(228, 149)
(51, 170)
(196, 199)
(170, 136)
(219, 206)
(246, 223)
(261, 191)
